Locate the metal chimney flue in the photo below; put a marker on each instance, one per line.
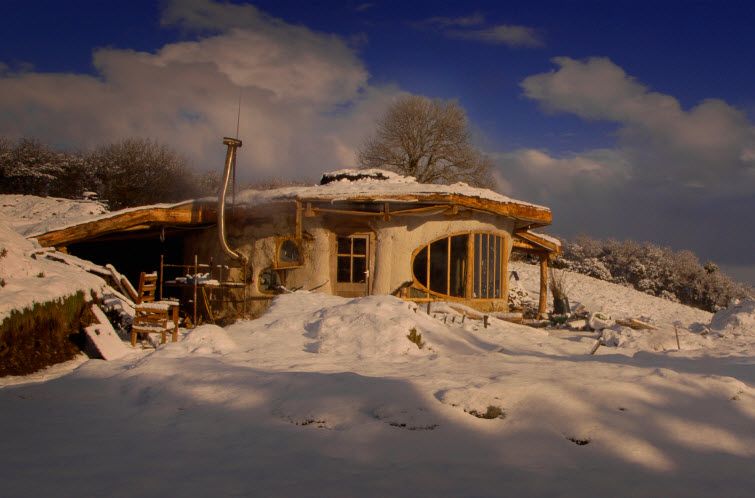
(230, 165)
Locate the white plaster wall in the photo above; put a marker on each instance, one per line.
(396, 243)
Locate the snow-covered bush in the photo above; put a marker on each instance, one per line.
(659, 271)
(33, 338)
(128, 173)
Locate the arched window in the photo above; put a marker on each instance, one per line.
(288, 253)
(469, 265)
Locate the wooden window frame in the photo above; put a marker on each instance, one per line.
(501, 270)
(284, 265)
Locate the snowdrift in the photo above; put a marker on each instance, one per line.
(28, 280)
(736, 320)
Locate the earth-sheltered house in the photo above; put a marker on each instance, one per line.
(358, 232)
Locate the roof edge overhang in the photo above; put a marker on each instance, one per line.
(204, 212)
(533, 242)
(188, 213)
(530, 214)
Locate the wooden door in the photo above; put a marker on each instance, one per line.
(352, 265)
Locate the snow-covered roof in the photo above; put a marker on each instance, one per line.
(374, 184)
(543, 240)
(545, 236)
(368, 185)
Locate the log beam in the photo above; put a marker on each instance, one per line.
(189, 213)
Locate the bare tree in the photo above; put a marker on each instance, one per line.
(429, 140)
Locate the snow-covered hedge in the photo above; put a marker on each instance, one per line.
(129, 173)
(659, 271)
(45, 334)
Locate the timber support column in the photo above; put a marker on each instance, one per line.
(542, 304)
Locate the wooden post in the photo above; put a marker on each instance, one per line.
(676, 333)
(162, 256)
(196, 283)
(542, 304)
(485, 321)
(428, 307)
(298, 221)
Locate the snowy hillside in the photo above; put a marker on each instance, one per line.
(27, 280)
(326, 396)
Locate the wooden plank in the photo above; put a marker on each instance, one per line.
(543, 298)
(514, 317)
(129, 289)
(538, 241)
(103, 337)
(635, 324)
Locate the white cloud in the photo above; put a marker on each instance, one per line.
(502, 34)
(682, 177)
(710, 144)
(475, 19)
(538, 175)
(472, 27)
(299, 89)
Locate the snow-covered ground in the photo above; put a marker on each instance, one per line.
(26, 280)
(325, 396)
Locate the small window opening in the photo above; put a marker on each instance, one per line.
(289, 254)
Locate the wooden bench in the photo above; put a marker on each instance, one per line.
(153, 317)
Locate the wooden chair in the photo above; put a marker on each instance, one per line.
(153, 317)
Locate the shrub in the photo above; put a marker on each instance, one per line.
(658, 271)
(558, 284)
(34, 338)
(416, 338)
(490, 413)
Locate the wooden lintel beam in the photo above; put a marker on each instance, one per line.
(534, 216)
(190, 213)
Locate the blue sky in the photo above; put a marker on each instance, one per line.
(629, 119)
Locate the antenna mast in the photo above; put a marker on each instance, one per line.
(238, 119)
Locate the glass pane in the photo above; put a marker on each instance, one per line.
(420, 267)
(484, 265)
(439, 266)
(360, 269)
(289, 252)
(459, 265)
(344, 269)
(344, 245)
(476, 285)
(491, 265)
(498, 273)
(360, 245)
